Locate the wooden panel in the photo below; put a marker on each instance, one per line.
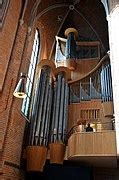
(36, 157)
(92, 144)
(109, 143)
(81, 146)
(88, 143)
(57, 153)
(97, 141)
(108, 108)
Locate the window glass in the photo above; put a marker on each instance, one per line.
(31, 74)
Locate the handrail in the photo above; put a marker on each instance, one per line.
(104, 126)
(93, 70)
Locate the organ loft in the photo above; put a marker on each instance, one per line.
(59, 92)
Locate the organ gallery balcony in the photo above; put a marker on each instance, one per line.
(97, 148)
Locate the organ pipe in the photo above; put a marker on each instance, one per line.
(59, 108)
(106, 83)
(48, 113)
(40, 116)
(36, 99)
(58, 104)
(44, 109)
(59, 118)
(100, 83)
(65, 113)
(61, 112)
(40, 109)
(70, 52)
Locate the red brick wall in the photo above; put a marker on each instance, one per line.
(7, 36)
(12, 124)
(13, 60)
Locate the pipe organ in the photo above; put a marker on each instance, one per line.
(56, 97)
(97, 85)
(48, 125)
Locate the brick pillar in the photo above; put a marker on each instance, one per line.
(113, 22)
(12, 123)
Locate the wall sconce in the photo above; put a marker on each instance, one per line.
(20, 90)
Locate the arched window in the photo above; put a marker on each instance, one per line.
(31, 74)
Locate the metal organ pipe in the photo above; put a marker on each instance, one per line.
(106, 83)
(40, 116)
(65, 113)
(59, 110)
(102, 84)
(110, 82)
(61, 113)
(40, 108)
(59, 119)
(71, 46)
(58, 104)
(33, 118)
(53, 131)
(70, 52)
(48, 113)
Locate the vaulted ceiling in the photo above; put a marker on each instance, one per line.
(87, 16)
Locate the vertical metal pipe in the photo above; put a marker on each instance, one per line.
(33, 119)
(43, 116)
(102, 84)
(80, 91)
(105, 83)
(53, 134)
(110, 83)
(34, 109)
(108, 90)
(70, 46)
(40, 109)
(47, 121)
(57, 104)
(90, 87)
(65, 116)
(61, 112)
(99, 77)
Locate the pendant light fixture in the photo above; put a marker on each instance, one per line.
(20, 90)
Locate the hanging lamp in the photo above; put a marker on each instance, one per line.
(20, 90)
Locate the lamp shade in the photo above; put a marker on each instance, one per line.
(20, 90)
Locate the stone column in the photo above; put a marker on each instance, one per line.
(113, 23)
